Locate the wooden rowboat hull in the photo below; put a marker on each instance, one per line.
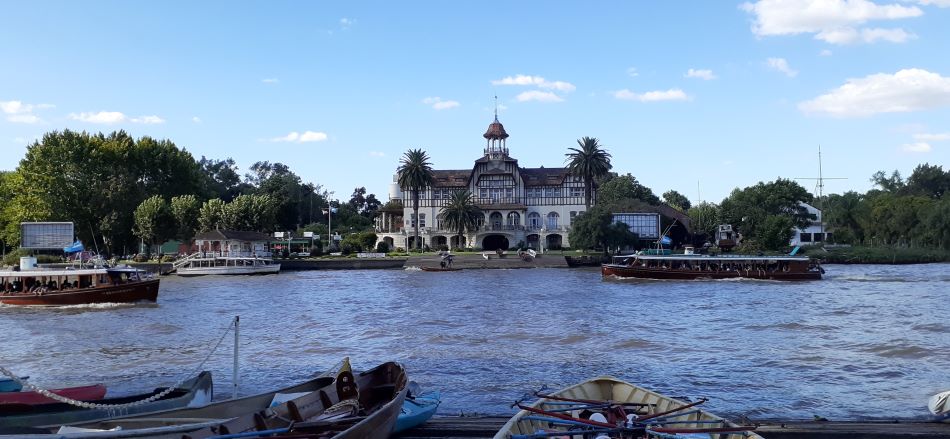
(616, 391)
(624, 271)
(143, 291)
(83, 393)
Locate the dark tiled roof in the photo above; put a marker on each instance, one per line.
(451, 177)
(485, 159)
(543, 176)
(238, 235)
(496, 131)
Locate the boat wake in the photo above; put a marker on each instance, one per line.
(412, 268)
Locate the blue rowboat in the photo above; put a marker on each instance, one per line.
(8, 385)
(417, 409)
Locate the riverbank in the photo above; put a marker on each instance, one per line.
(878, 255)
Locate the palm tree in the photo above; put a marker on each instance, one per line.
(461, 213)
(415, 173)
(588, 162)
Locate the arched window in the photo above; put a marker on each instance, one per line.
(514, 219)
(552, 220)
(495, 220)
(534, 220)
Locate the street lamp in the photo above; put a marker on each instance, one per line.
(329, 211)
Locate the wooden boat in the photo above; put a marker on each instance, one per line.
(689, 266)
(82, 393)
(939, 405)
(440, 269)
(77, 287)
(417, 409)
(614, 408)
(9, 385)
(196, 391)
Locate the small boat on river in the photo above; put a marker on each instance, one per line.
(81, 393)
(43, 287)
(939, 405)
(692, 266)
(608, 407)
(440, 269)
(10, 385)
(418, 408)
(194, 392)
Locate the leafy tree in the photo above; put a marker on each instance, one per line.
(625, 187)
(364, 204)
(677, 200)
(894, 183)
(211, 215)
(843, 214)
(775, 232)
(588, 162)
(748, 209)
(618, 235)
(460, 214)
(929, 181)
(185, 211)
(251, 212)
(278, 181)
(414, 175)
(590, 228)
(705, 219)
(223, 179)
(153, 221)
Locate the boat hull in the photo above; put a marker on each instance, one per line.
(229, 270)
(143, 291)
(440, 269)
(84, 393)
(416, 411)
(625, 271)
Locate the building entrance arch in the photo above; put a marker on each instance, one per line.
(495, 242)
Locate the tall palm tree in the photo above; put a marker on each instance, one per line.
(588, 162)
(461, 213)
(415, 173)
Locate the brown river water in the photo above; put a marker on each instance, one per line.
(865, 342)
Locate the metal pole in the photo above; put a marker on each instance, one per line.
(234, 376)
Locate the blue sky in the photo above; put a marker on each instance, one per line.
(714, 94)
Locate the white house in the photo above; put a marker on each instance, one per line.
(815, 233)
(531, 205)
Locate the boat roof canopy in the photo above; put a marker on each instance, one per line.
(720, 258)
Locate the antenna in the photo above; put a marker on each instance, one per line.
(496, 108)
(820, 188)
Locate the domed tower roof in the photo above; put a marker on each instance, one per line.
(496, 131)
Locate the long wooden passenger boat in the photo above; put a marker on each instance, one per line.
(196, 391)
(606, 406)
(713, 267)
(77, 287)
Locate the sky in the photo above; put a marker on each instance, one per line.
(696, 96)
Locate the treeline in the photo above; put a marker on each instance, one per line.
(119, 191)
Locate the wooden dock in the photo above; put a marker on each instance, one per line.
(455, 427)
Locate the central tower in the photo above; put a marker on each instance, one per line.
(495, 147)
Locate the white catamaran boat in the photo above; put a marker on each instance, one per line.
(228, 252)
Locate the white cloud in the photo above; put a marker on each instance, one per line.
(107, 117)
(781, 65)
(932, 137)
(825, 52)
(306, 136)
(833, 21)
(916, 147)
(377, 154)
(538, 95)
(632, 71)
(939, 3)
(270, 80)
(438, 104)
(701, 74)
(906, 90)
(673, 94)
(18, 112)
(148, 120)
(196, 119)
(535, 80)
(345, 23)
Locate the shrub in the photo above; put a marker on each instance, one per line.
(400, 250)
(442, 248)
(382, 247)
(141, 257)
(346, 248)
(458, 250)
(168, 258)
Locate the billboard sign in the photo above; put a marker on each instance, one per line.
(46, 235)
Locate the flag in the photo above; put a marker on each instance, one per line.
(666, 240)
(75, 247)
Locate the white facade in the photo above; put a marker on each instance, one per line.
(530, 206)
(815, 233)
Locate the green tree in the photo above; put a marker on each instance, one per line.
(251, 212)
(929, 181)
(211, 215)
(705, 219)
(414, 175)
(222, 178)
(677, 200)
(625, 187)
(618, 235)
(747, 209)
(588, 162)
(185, 209)
(589, 229)
(153, 221)
(843, 214)
(460, 214)
(775, 232)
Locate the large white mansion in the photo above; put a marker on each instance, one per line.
(533, 206)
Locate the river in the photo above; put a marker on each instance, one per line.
(865, 342)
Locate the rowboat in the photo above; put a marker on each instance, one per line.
(614, 408)
(196, 391)
(76, 287)
(417, 409)
(9, 385)
(82, 393)
(939, 405)
(440, 269)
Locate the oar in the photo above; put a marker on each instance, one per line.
(566, 417)
(702, 430)
(657, 415)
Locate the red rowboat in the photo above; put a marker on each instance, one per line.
(83, 393)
